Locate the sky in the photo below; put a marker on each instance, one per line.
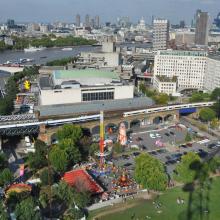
(108, 10)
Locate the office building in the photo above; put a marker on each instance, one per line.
(160, 34)
(212, 76)
(10, 23)
(164, 84)
(77, 20)
(77, 86)
(87, 21)
(202, 28)
(97, 21)
(188, 66)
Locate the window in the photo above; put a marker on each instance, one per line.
(97, 96)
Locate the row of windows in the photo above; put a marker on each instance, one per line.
(97, 96)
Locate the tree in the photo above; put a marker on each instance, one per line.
(73, 214)
(26, 210)
(214, 123)
(6, 177)
(38, 159)
(58, 159)
(3, 161)
(150, 172)
(188, 137)
(161, 99)
(73, 153)
(68, 131)
(207, 114)
(3, 212)
(199, 97)
(82, 199)
(215, 94)
(93, 149)
(47, 176)
(118, 148)
(186, 170)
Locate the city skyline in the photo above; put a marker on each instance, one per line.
(49, 11)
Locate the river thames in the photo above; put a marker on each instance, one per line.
(41, 57)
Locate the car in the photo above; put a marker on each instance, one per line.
(202, 153)
(153, 152)
(169, 162)
(152, 136)
(139, 139)
(136, 154)
(171, 132)
(183, 146)
(158, 135)
(162, 151)
(143, 147)
(167, 134)
(125, 157)
(127, 164)
(212, 146)
(189, 144)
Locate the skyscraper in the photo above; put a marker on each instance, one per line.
(87, 21)
(202, 28)
(97, 21)
(160, 34)
(77, 20)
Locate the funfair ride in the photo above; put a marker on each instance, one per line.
(102, 153)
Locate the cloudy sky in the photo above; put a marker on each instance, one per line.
(109, 10)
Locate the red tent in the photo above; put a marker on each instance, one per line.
(82, 181)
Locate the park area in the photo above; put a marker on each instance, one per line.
(179, 203)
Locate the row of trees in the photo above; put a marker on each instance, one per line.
(62, 62)
(49, 41)
(7, 103)
(150, 173)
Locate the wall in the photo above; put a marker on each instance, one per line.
(124, 92)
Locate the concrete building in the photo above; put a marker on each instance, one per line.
(188, 66)
(77, 20)
(202, 28)
(108, 57)
(160, 34)
(97, 21)
(164, 84)
(87, 21)
(185, 38)
(212, 76)
(76, 86)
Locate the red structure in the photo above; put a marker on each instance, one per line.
(82, 181)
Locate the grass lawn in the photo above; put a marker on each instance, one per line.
(195, 207)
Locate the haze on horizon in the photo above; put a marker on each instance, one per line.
(108, 10)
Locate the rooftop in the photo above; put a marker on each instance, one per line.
(183, 53)
(164, 78)
(87, 73)
(95, 107)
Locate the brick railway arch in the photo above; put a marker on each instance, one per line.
(169, 117)
(125, 123)
(136, 123)
(111, 128)
(157, 120)
(95, 130)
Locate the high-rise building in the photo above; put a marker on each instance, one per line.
(202, 28)
(182, 24)
(189, 67)
(160, 34)
(217, 21)
(10, 23)
(77, 20)
(97, 21)
(87, 21)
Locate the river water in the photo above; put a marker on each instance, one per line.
(41, 57)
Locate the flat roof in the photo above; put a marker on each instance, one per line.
(86, 73)
(95, 107)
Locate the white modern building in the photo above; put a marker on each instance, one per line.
(76, 86)
(212, 76)
(188, 66)
(164, 84)
(160, 34)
